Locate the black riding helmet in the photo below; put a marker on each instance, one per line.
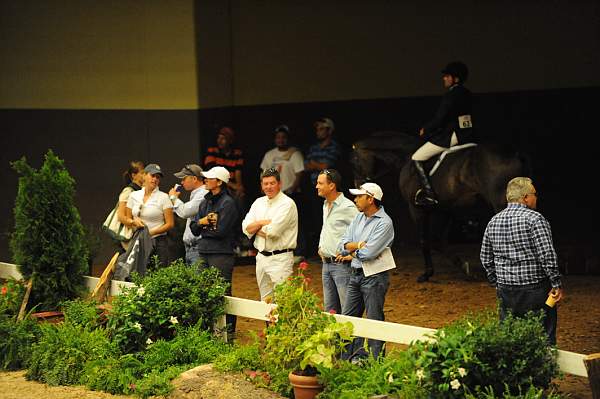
(457, 69)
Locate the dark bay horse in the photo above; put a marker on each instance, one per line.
(465, 178)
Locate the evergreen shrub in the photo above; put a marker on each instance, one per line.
(48, 241)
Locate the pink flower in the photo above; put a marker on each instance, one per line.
(303, 266)
(307, 280)
(332, 311)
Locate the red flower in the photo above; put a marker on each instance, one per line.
(307, 280)
(332, 311)
(4, 290)
(303, 266)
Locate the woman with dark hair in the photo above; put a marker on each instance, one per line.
(152, 208)
(133, 178)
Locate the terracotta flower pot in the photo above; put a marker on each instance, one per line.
(305, 386)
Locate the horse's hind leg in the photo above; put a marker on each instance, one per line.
(426, 248)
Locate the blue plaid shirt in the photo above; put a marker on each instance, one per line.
(330, 154)
(517, 248)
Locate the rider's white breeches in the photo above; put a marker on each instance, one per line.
(429, 149)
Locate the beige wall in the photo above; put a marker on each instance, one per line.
(323, 50)
(134, 54)
(87, 54)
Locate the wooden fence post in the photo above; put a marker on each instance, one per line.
(592, 365)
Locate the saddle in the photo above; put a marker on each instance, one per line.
(441, 157)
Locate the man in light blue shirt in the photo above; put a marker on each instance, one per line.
(369, 234)
(191, 180)
(338, 213)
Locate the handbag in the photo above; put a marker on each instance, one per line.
(116, 229)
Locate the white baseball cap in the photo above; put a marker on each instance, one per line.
(217, 172)
(370, 189)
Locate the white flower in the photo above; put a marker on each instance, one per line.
(149, 341)
(138, 326)
(173, 320)
(442, 334)
(462, 372)
(390, 377)
(455, 384)
(141, 291)
(420, 374)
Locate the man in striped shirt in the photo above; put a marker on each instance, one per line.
(519, 258)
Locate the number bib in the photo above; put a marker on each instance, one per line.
(464, 121)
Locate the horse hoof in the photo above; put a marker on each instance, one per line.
(424, 277)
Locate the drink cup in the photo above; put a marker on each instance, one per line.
(550, 301)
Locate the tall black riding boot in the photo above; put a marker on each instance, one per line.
(424, 196)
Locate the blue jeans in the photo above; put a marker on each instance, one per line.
(365, 293)
(191, 254)
(520, 299)
(335, 278)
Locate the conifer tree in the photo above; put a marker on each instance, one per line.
(48, 242)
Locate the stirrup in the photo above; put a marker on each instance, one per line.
(423, 198)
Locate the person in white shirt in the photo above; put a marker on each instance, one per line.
(193, 181)
(273, 222)
(288, 160)
(152, 208)
(338, 213)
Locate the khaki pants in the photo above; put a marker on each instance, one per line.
(272, 270)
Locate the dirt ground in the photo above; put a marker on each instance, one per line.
(449, 295)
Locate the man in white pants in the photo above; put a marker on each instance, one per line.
(273, 222)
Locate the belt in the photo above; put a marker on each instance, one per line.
(356, 271)
(539, 284)
(331, 259)
(276, 252)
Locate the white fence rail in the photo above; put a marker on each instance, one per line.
(569, 362)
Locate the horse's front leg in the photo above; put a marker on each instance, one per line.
(426, 248)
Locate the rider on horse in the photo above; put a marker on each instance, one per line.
(450, 126)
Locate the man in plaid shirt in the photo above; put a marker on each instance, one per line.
(519, 258)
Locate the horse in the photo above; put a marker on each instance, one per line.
(463, 179)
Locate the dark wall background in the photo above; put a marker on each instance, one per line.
(554, 127)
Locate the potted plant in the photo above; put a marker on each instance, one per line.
(301, 338)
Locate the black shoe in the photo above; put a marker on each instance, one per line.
(424, 198)
(424, 277)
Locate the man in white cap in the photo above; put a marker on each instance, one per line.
(273, 222)
(191, 180)
(369, 234)
(216, 224)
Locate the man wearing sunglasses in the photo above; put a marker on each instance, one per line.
(518, 256)
(192, 181)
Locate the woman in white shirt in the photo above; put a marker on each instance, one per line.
(152, 208)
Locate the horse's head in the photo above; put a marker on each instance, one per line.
(362, 161)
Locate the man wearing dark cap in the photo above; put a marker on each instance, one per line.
(192, 181)
(451, 125)
(224, 154)
(231, 158)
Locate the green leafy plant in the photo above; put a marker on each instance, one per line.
(16, 340)
(59, 357)
(162, 300)
(240, 358)
(82, 312)
(300, 337)
(478, 352)
(48, 240)
(150, 372)
(11, 296)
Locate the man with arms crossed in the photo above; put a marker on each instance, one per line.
(273, 222)
(519, 258)
(338, 213)
(369, 234)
